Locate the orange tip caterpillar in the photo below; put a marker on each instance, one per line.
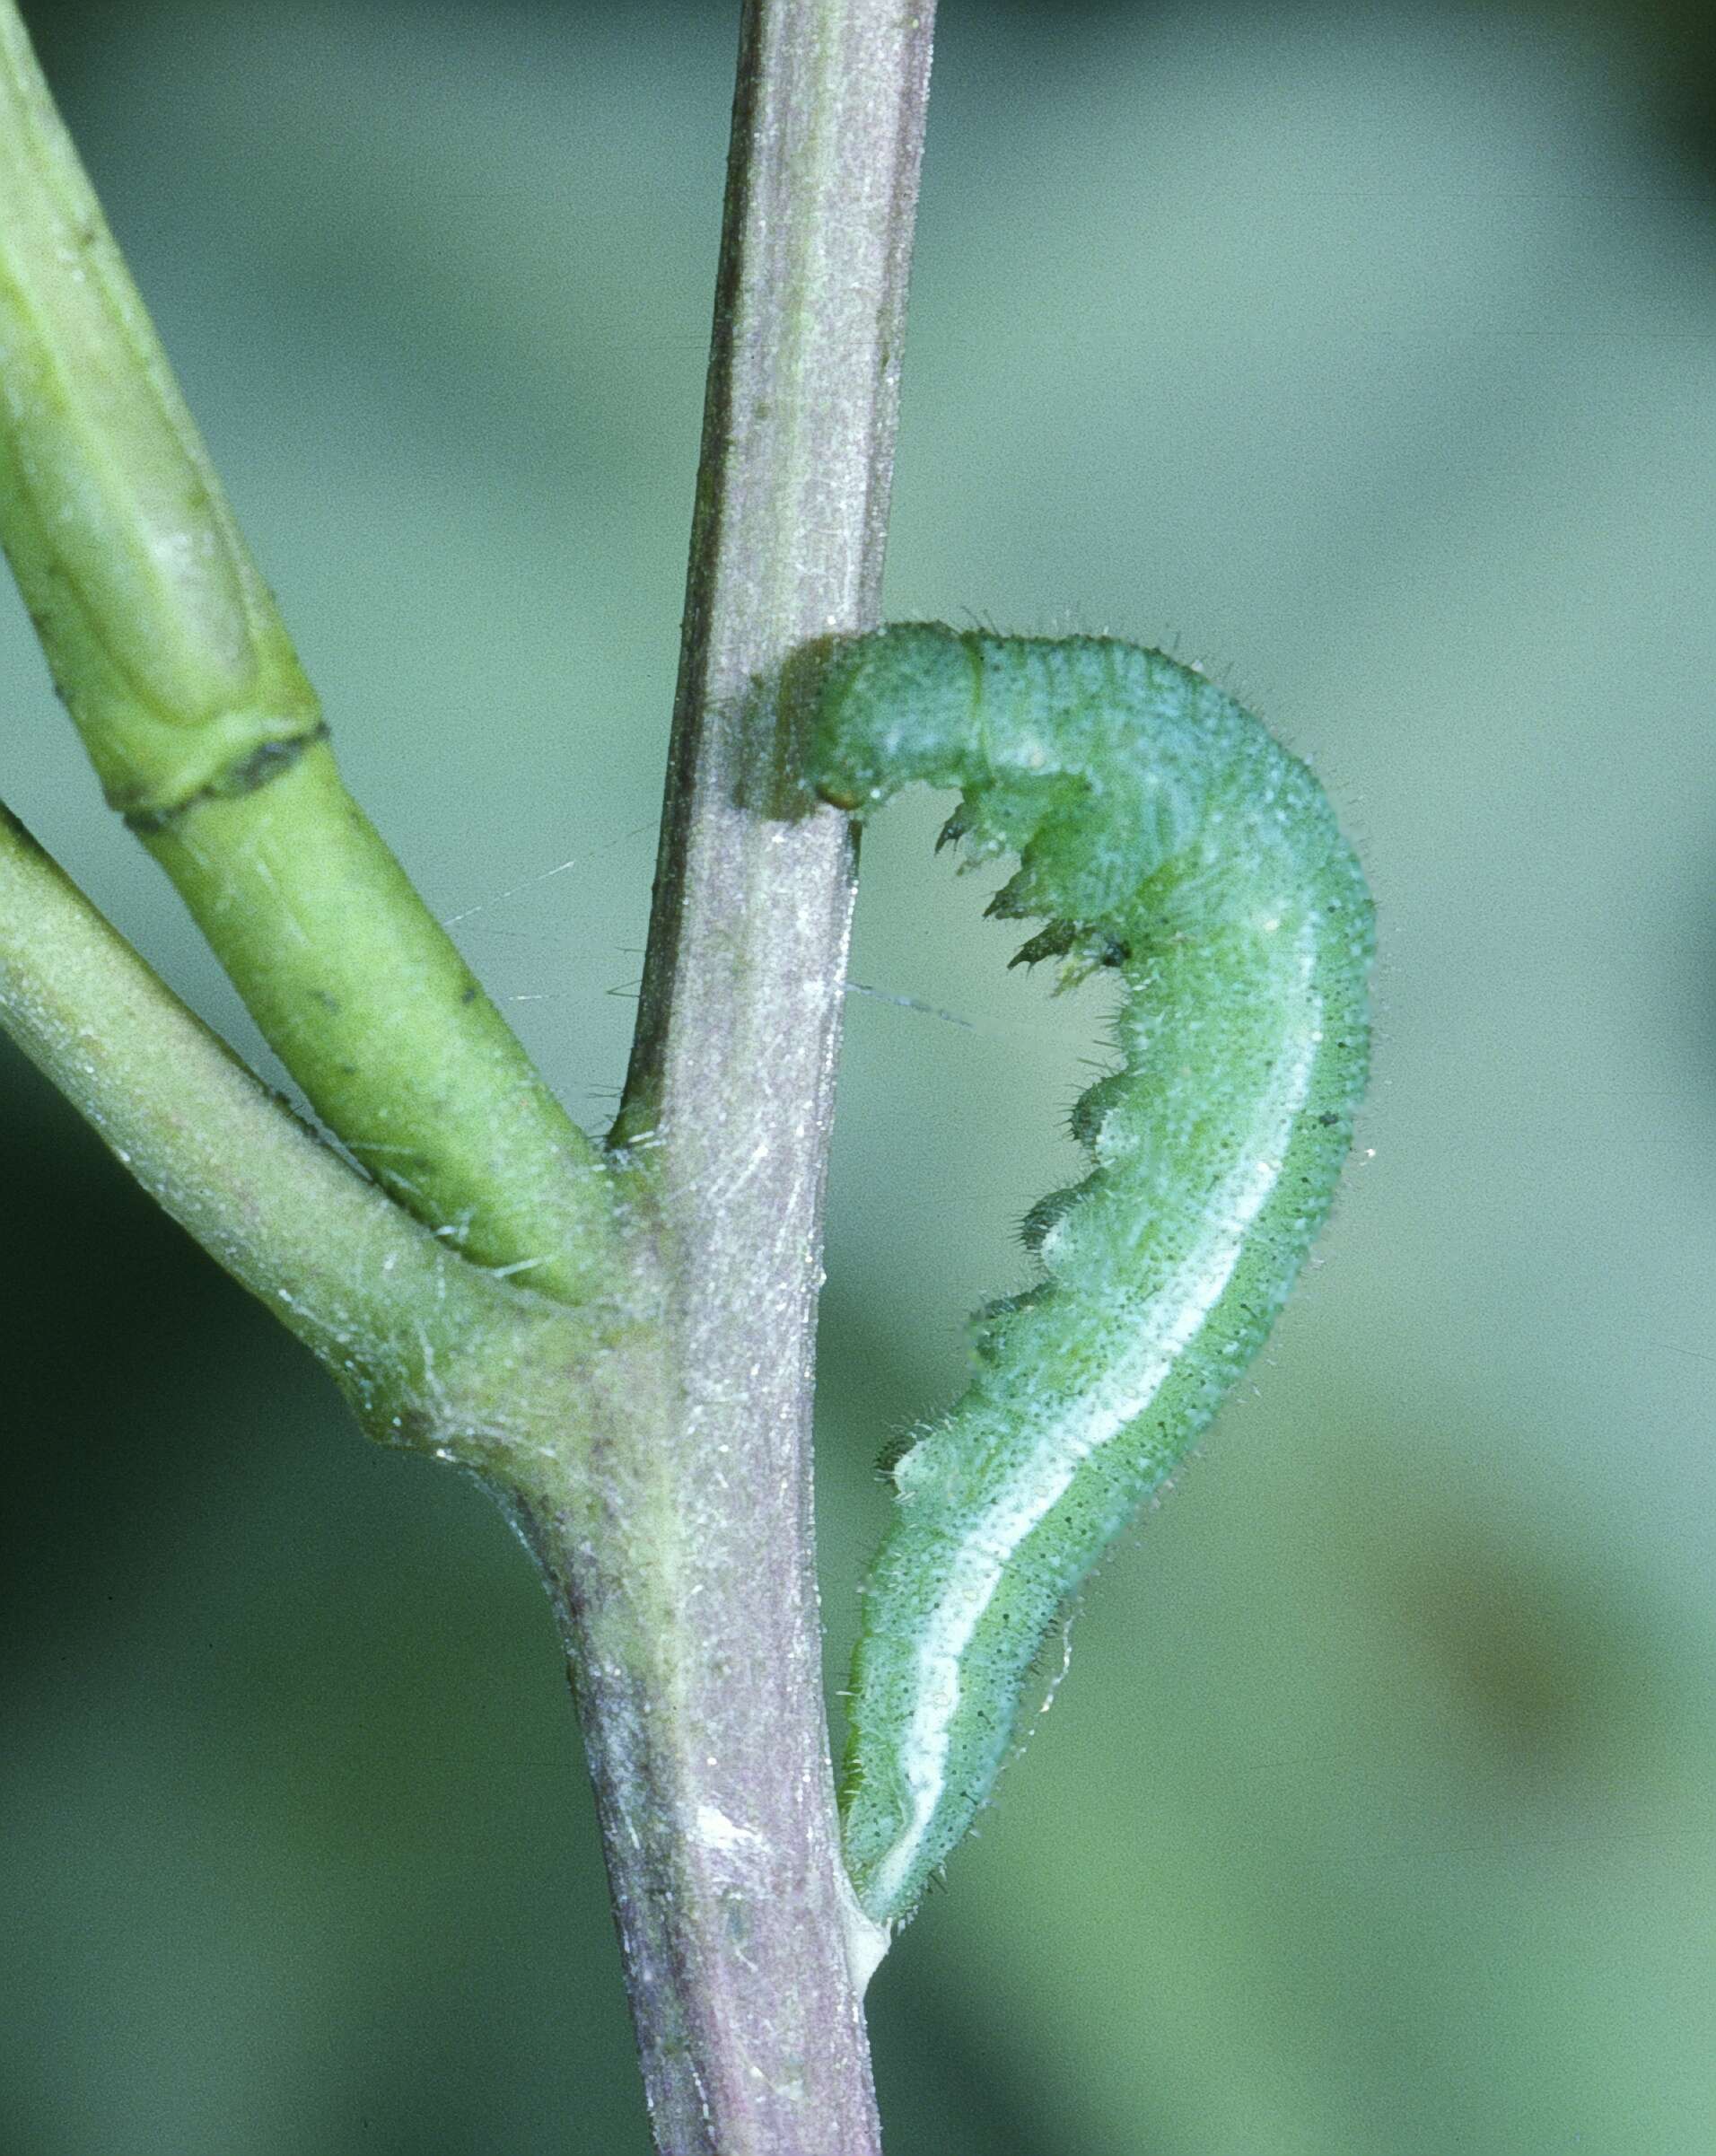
(1162, 830)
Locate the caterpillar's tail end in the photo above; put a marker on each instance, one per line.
(866, 1941)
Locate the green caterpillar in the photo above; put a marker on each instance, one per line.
(1163, 831)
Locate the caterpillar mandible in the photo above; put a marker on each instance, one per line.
(1162, 830)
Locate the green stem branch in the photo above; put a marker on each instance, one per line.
(654, 1444)
(366, 1000)
(170, 652)
(425, 1345)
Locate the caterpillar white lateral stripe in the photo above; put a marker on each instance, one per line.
(1087, 1422)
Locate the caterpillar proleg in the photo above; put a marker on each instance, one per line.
(1161, 830)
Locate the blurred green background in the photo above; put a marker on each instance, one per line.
(1368, 356)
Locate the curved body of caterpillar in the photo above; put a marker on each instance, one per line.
(1162, 830)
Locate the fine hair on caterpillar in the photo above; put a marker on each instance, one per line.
(1160, 832)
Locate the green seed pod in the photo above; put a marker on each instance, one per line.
(161, 636)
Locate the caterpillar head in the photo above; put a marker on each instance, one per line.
(893, 707)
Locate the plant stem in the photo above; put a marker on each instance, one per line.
(423, 1344)
(693, 1628)
(656, 1450)
(170, 654)
(365, 999)
(163, 637)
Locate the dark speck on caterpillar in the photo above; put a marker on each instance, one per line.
(1162, 831)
